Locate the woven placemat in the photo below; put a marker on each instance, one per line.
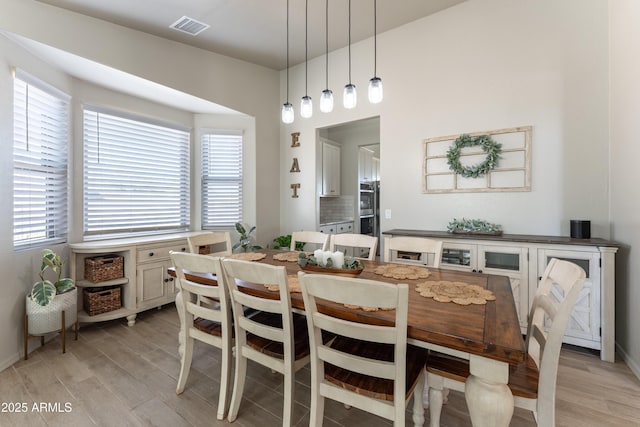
(248, 256)
(457, 292)
(289, 256)
(292, 281)
(365, 308)
(398, 271)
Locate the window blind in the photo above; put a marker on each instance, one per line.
(40, 179)
(136, 174)
(221, 178)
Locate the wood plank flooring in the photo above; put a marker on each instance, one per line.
(116, 375)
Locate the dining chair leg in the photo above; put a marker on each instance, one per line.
(76, 328)
(238, 386)
(287, 412)
(418, 407)
(436, 386)
(185, 365)
(225, 373)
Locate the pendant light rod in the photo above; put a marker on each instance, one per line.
(349, 41)
(287, 114)
(326, 99)
(306, 104)
(375, 37)
(287, 51)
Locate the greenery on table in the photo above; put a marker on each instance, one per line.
(245, 239)
(349, 263)
(489, 146)
(284, 242)
(473, 226)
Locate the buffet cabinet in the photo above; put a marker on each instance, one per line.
(523, 259)
(144, 284)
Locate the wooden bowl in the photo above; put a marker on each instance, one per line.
(348, 272)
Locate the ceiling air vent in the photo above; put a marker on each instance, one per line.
(189, 26)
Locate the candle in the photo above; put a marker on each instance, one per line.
(338, 259)
(318, 256)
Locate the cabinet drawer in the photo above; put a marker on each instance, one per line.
(344, 227)
(159, 253)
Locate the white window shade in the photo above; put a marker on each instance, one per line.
(136, 174)
(221, 178)
(40, 179)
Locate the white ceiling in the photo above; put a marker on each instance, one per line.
(255, 30)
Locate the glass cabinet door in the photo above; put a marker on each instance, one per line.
(458, 256)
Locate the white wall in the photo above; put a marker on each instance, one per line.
(625, 152)
(480, 65)
(209, 76)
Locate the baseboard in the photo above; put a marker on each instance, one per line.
(632, 364)
(10, 361)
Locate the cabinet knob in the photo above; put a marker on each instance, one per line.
(184, 249)
(474, 270)
(166, 280)
(151, 253)
(479, 271)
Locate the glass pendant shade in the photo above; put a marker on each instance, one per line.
(287, 113)
(306, 107)
(326, 101)
(375, 90)
(350, 97)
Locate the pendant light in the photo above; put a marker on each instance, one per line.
(375, 84)
(287, 108)
(326, 100)
(349, 98)
(306, 106)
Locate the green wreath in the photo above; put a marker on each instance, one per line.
(489, 146)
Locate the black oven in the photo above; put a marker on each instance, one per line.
(367, 225)
(367, 198)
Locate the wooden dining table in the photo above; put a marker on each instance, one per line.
(488, 335)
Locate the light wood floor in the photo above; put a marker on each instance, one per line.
(116, 375)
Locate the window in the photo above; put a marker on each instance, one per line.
(221, 178)
(136, 174)
(40, 179)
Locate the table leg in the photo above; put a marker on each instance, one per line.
(488, 396)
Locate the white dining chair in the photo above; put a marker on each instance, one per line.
(430, 250)
(533, 383)
(202, 322)
(314, 238)
(366, 366)
(270, 335)
(211, 243)
(347, 241)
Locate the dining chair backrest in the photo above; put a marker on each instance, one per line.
(213, 243)
(553, 303)
(402, 248)
(360, 293)
(314, 238)
(264, 329)
(356, 242)
(202, 320)
(533, 382)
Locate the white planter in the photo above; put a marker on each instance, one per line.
(43, 320)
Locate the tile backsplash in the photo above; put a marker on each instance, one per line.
(336, 209)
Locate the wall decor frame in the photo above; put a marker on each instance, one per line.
(512, 172)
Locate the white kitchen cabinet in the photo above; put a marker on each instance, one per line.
(330, 169)
(523, 258)
(154, 286)
(365, 165)
(375, 169)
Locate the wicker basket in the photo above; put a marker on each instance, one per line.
(104, 267)
(101, 300)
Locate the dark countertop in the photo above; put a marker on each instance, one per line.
(556, 240)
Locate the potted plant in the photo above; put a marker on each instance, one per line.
(284, 242)
(245, 238)
(48, 300)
